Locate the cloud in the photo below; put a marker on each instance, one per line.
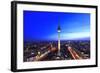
(70, 36)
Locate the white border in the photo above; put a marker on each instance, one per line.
(29, 65)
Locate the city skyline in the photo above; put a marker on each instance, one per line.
(39, 25)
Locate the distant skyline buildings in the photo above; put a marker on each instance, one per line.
(39, 25)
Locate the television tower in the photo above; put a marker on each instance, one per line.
(59, 30)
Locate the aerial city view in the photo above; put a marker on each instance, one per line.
(50, 36)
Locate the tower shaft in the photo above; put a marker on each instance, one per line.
(59, 43)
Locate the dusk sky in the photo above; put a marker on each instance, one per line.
(43, 25)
